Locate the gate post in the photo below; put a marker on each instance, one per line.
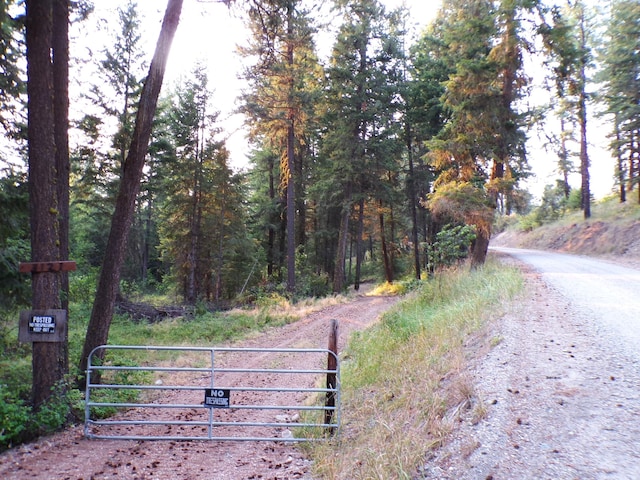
(332, 365)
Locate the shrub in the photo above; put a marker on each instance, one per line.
(19, 423)
(451, 245)
(14, 416)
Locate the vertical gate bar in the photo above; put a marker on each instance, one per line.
(332, 364)
(87, 408)
(212, 384)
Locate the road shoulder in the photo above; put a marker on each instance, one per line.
(559, 400)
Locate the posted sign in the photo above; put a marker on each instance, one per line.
(217, 397)
(43, 326)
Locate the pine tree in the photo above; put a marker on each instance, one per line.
(482, 143)
(362, 142)
(108, 283)
(424, 118)
(47, 89)
(280, 99)
(620, 77)
(200, 202)
(99, 158)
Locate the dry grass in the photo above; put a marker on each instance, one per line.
(403, 382)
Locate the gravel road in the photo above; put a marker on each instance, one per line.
(606, 292)
(561, 389)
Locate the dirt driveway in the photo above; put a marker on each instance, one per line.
(68, 455)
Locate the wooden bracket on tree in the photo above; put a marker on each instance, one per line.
(42, 267)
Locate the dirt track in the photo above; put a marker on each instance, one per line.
(68, 455)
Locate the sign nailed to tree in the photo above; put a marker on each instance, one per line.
(43, 326)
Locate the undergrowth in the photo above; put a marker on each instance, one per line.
(19, 422)
(401, 378)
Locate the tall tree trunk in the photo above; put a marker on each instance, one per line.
(146, 246)
(60, 46)
(103, 306)
(338, 272)
(386, 260)
(621, 175)
(584, 158)
(564, 157)
(290, 170)
(632, 170)
(49, 359)
(282, 238)
(301, 207)
(220, 255)
(271, 231)
(291, 212)
(359, 253)
(192, 291)
(480, 247)
(582, 120)
(411, 187)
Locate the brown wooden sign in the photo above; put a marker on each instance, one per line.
(42, 267)
(42, 326)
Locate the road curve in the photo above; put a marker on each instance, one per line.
(606, 292)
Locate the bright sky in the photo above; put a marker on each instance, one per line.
(209, 32)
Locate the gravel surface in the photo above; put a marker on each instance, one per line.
(561, 390)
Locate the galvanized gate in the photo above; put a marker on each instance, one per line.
(212, 393)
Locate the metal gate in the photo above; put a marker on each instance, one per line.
(202, 393)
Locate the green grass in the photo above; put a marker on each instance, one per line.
(401, 378)
(17, 420)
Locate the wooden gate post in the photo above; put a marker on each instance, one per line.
(332, 366)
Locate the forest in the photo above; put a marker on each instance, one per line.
(388, 160)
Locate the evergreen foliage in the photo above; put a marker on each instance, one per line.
(360, 164)
(621, 92)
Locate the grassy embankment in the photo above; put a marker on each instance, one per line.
(403, 380)
(612, 231)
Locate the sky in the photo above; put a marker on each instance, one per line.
(210, 32)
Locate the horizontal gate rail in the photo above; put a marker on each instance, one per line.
(181, 410)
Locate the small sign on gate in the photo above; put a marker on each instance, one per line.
(217, 397)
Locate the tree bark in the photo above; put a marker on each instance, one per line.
(290, 170)
(620, 172)
(60, 45)
(479, 248)
(411, 186)
(386, 258)
(49, 359)
(103, 307)
(338, 273)
(359, 246)
(271, 231)
(582, 120)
